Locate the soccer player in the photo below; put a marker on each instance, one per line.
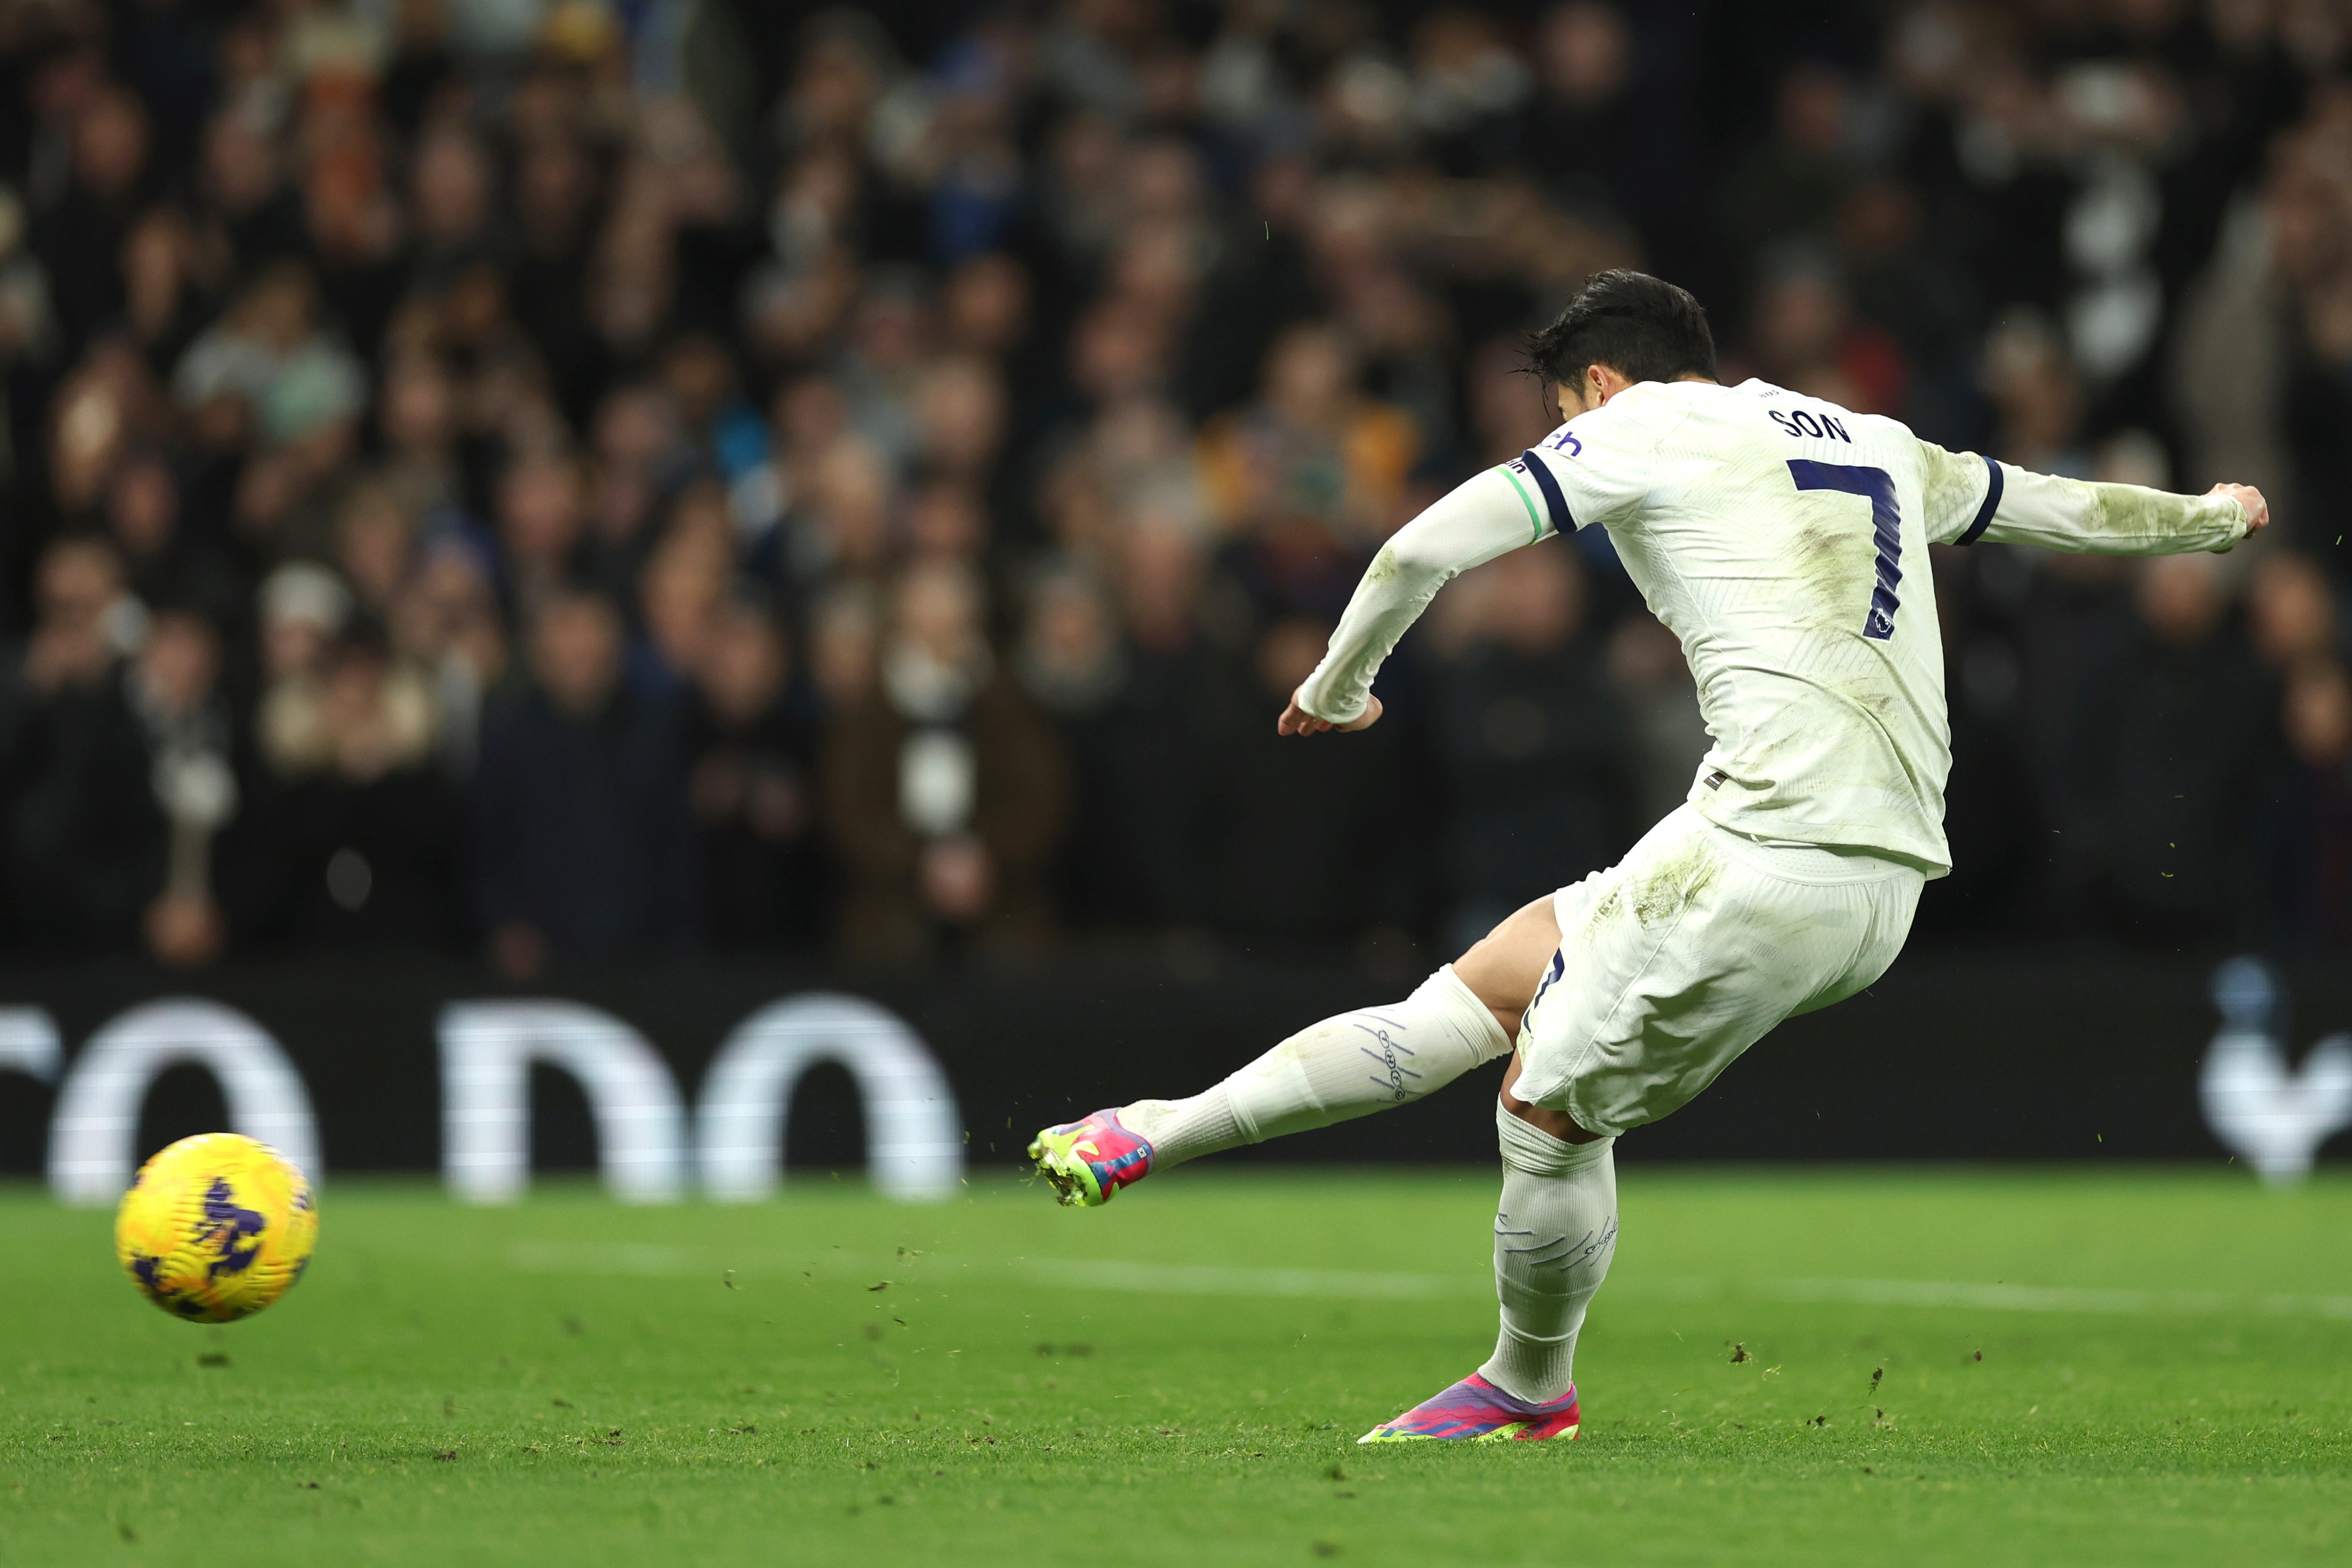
(1784, 540)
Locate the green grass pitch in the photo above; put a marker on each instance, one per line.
(1908, 1368)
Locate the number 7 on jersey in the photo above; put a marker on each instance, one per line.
(1887, 523)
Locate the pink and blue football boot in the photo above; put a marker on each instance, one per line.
(1091, 1159)
(1475, 1411)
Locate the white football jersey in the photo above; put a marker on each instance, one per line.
(1784, 540)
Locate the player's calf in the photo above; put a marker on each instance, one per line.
(1555, 1233)
(1343, 1067)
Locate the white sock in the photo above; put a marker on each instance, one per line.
(1344, 1067)
(1554, 1232)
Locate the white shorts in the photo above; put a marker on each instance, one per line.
(1688, 951)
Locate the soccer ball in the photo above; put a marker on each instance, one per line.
(216, 1227)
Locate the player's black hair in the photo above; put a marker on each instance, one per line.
(1643, 328)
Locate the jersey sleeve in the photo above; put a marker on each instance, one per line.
(1971, 498)
(1483, 518)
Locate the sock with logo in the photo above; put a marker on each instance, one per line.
(1555, 1231)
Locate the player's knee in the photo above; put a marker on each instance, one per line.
(1544, 1119)
(1547, 1152)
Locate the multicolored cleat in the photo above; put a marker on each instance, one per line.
(1091, 1159)
(1475, 1411)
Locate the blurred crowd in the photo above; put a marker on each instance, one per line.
(557, 478)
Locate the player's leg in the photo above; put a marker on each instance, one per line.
(1358, 1063)
(1672, 963)
(1344, 1067)
(1554, 1232)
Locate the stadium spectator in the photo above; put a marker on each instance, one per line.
(2291, 612)
(540, 529)
(269, 355)
(162, 557)
(2171, 747)
(302, 609)
(1128, 742)
(2266, 337)
(581, 841)
(1147, 818)
(1791, 184)
(1805, 338)
(375, 539)
(751, 783)
(1609, 133)
(174, 687)
(360, 834)
(1304, 847)
(86, 836)
(1309, 478)
(946, 790)
(80, 239)
(2310, 831)
(445, 622)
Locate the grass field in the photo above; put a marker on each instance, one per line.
(2149, 1367)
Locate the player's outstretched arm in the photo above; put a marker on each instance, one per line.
(1479, 519)
(2086, 516)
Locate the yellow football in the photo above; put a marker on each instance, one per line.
(216, 1227)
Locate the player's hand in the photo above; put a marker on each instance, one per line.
(1296, 720)
(2258, 511)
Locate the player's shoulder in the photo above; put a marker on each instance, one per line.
(1641, 414)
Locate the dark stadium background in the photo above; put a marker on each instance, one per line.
(671, 505)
